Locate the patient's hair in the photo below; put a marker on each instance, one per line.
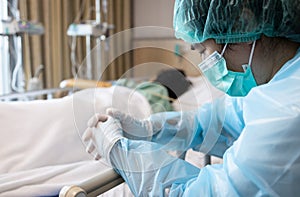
(175, 81)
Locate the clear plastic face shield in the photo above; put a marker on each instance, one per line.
(233, 83)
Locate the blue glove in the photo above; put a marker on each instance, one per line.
(102, 133)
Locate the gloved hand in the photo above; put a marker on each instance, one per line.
(134, 128)
(102, 133)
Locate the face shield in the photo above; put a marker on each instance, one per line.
(233, 83)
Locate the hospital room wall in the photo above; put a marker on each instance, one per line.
(158, 49)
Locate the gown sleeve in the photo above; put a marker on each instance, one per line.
(211, 129)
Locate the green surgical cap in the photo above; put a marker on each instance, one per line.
(233, 21)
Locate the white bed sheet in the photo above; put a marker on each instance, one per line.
(41, 150)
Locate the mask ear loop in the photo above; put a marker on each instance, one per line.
(223, 50)
(250, 57)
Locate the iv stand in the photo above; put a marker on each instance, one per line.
(97, 29)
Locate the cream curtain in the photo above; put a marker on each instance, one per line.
(52, 49)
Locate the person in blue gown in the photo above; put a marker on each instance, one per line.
(250, 51)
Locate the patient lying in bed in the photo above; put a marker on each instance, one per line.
(36, 159)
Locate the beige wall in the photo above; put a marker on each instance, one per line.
(155, 49)
(153, 12)
(158, 54)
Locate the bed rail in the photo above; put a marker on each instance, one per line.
(32, 95)
(94, 186)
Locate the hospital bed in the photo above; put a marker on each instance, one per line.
(43, 154)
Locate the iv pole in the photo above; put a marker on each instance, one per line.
(11, 30)
(95, 28)
(4, 54)
(98, 41)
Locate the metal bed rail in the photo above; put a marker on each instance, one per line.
(33, 95)
(93, 187)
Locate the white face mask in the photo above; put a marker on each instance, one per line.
(233, 83)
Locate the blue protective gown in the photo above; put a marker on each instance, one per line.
(258, 137)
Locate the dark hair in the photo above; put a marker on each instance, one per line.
(175, 81)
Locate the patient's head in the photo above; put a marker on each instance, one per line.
(175, 81)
